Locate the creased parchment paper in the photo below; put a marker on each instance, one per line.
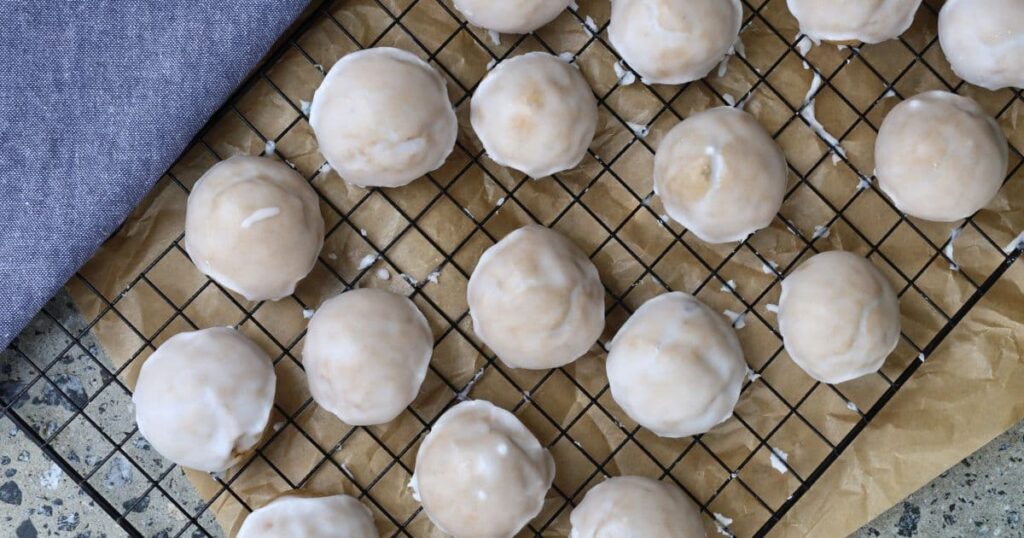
(424, 240)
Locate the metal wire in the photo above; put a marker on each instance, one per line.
(77, 336)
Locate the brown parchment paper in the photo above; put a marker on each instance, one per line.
(425, 239)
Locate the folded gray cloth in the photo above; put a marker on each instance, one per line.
(97, 99)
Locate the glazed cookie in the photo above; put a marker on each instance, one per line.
(253, 225)
(382, 118)
(203, 398)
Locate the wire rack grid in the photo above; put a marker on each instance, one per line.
(632, 245)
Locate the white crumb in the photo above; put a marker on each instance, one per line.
(491, 64)
(500, 202)
(729, 99)
(590, 25)
(623, 74)
(752, 375)
(722, 524)
(1015, 244)
(948, 249)
(434, 276)
(803, 45)
(495, 37)
(308, 313)
(729, 286)
(778, 460)
(773, 308)
(367, 261)
(414, 486)
(464, 393)
(808, 114)
(739, 319)
(769, 268)
(383, 274)
(567, 57)
(638, 129)
(820, 232)
(852, 407)
(738, 48)
(269, 147)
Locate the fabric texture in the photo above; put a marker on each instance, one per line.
(97, 100)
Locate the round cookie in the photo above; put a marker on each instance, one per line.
(366, 354)
(253, 225)
(720, 175)
(382, 118)
(203, 398)
(518, 17)
(869, 21)
(480, 473)
(536, 299)
(535, 113)
(674, 41)
(839, 317)
(940, 157)
(981, 40)
(295, 516)
(676, 367)
(637, 507)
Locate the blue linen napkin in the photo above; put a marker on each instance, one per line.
(97, 100)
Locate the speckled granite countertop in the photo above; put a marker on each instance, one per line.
(981, 496)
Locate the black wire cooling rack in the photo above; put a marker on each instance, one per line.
(402, 22)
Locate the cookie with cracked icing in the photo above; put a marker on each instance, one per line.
(676, 367)
(839, 316)
(299, 516)
(940, 157)
(868, 21)
(535, 113)
(637, 507)
(382, 118)
(674, 41)
(253, 225)
(203, 398)
(480, 473)
(982, 40)
(720, 175)
(536, 299)
(519, 17)
(366, 354)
